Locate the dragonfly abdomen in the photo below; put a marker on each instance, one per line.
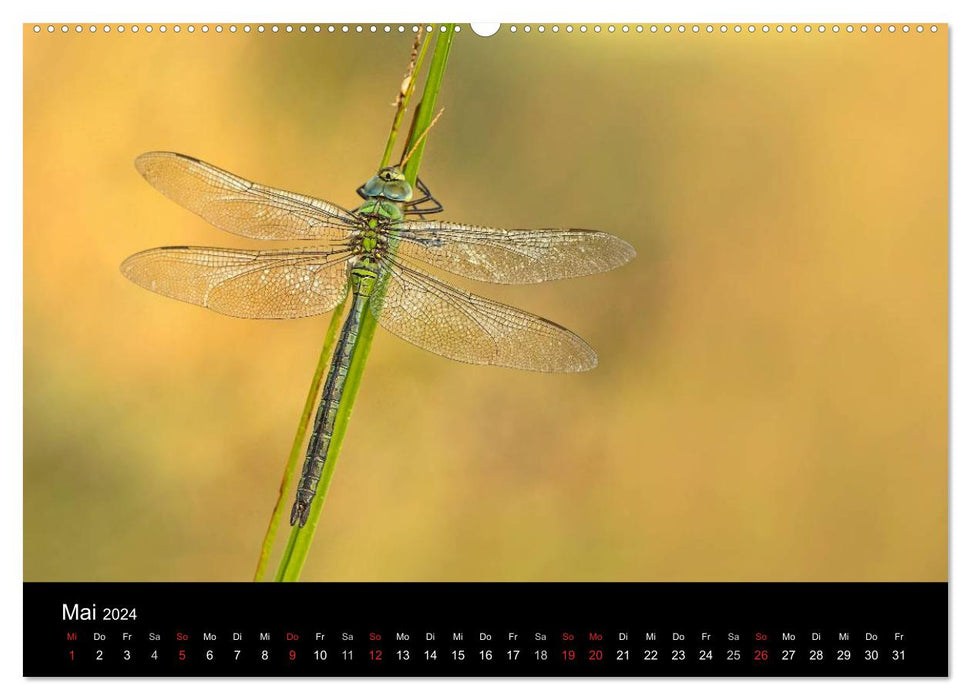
(329, 404)
(363, 277)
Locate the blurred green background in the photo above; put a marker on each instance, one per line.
(771, 401)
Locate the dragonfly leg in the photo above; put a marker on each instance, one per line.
(425, 192)
(414, 208)
(421, 213)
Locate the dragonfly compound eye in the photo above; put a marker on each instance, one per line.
(373, 187)
(400, 191)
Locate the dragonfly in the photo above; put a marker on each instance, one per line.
(377, 253)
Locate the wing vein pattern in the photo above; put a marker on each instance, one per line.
(510, 256)
(244, 283)
(241, 207)
(435, 316)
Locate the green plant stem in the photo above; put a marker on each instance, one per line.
(295, 449)
(404, 97)
(300, 540)
(426, 108)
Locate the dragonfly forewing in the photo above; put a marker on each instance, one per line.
(241, 207)
(511, 256)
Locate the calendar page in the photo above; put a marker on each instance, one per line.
(603, 349)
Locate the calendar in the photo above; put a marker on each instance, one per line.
(489, 630)
(486, 350)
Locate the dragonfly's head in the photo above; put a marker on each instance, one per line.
(389, 183)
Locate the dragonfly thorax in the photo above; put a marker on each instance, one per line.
(371, 242)
(371, 238)
(376, 212)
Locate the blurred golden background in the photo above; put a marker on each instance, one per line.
(771, 401)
